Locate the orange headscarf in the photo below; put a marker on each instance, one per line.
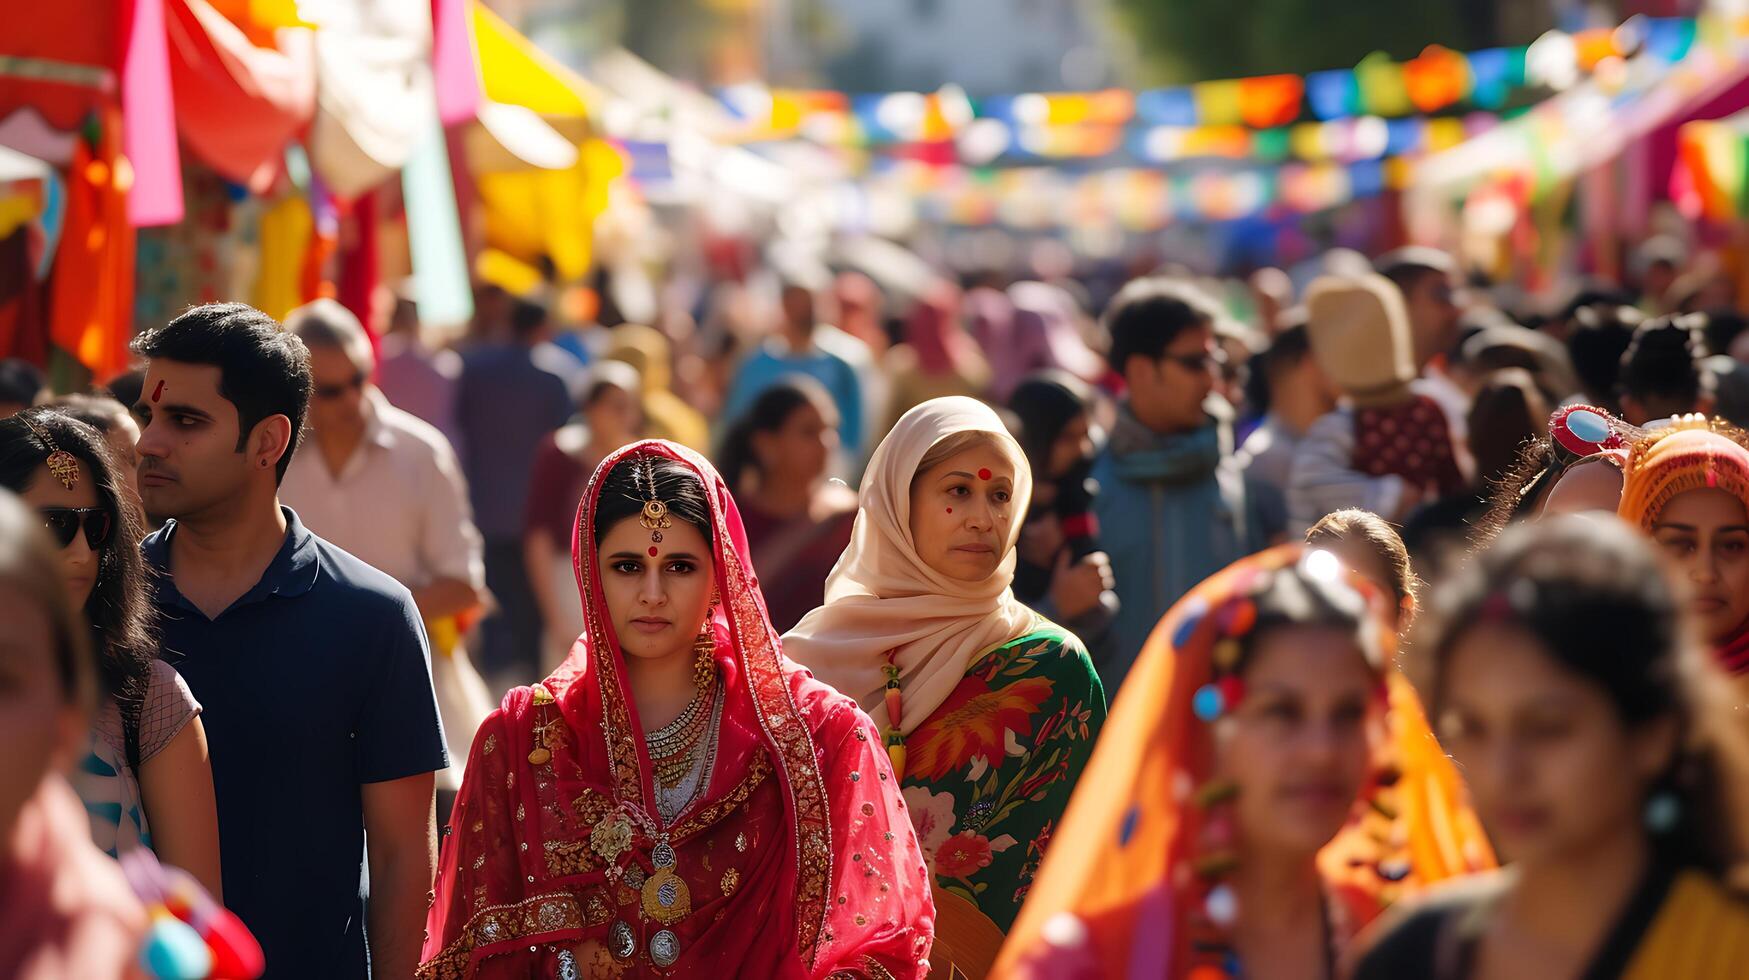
(1124, 890)
(1689, 454)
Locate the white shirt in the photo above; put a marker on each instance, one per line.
(400, 503)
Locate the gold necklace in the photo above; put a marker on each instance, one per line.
(673, 748)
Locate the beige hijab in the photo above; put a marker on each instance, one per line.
(882, 597)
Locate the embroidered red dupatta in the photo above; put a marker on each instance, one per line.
(797, 859)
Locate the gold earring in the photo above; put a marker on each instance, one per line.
(704, 663)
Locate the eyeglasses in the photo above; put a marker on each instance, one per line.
(1199, 363)
(64, 523)
(330, 392)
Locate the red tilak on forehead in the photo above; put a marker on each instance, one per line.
(158, 392)
(984, 474)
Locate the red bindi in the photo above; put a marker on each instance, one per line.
(158, 392)
(950, 510)
(984, 474)
(653, 551)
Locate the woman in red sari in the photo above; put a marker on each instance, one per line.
(677, 798)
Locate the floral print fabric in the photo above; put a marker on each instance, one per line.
(989, 773)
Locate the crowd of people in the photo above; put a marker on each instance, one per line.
(778, 638)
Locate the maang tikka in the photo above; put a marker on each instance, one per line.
(655, 517)
(63, 465)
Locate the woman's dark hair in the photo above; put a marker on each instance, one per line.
(101, 412)
(28, 562)
(1302, 595)
(1044, 404)
(629, 486)
(264, 369)
(1662, 364)
(1592, 594)
(119, 612)
(1508, 412)
(1376, 533)
(610, 375)
(769, 412)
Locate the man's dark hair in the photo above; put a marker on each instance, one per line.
(1405, 266)
(1148, 314)
(1599, 337)
(21, 383)
(263, 369)
(1287, 351)
(526, 316)
(1723, 327)
(1663, 362)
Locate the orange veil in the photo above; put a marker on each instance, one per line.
(1123, 890)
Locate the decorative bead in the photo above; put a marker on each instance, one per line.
(1216, 865)
(895, 704)
(1127, 829)
(1232, 690)
(1188, 621)
(1222, 906)
(1215, 792)
(896, 754)
(1237, 616)
(1226, 654)
(1395, 870)
(1207, 703)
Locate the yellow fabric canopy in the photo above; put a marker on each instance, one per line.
(542, 212)
(516, 72)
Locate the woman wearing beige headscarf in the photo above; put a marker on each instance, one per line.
(989, 710)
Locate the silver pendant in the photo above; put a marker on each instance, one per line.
(567, 965)
(664, 948)
(620, 941)
(662, 855)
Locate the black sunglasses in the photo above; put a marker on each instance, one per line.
(1205, 361)
(64, 523)
(331, 392)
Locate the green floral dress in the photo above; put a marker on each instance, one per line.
(989, 773)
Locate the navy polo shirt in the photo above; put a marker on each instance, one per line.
(317, 680)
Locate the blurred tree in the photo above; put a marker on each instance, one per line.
(1189, 40)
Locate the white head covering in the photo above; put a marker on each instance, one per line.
(882, 597)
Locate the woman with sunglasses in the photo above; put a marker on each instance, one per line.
(146, 779)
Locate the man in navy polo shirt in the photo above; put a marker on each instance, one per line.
(311, 666)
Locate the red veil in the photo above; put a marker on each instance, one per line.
(798, 859)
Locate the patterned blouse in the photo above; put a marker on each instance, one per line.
(989, 773)
(111, 790)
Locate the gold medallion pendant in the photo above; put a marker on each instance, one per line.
(666, 898)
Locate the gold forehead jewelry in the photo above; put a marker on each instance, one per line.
(655, 517)
(63, 465)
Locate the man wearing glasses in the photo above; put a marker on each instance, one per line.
(1173, 501)
(387, 488)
